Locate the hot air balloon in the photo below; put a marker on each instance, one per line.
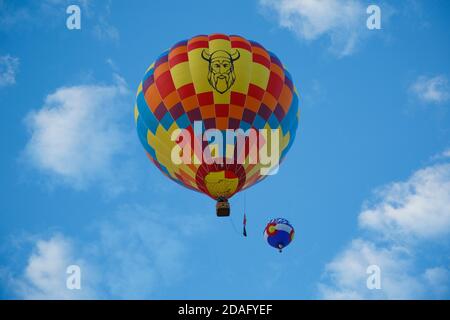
(279, 233)
(216, 82)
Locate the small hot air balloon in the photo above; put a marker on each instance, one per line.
(279, 233)
(216, 82)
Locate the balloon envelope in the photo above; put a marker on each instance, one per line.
(214, 82)
(279, 233)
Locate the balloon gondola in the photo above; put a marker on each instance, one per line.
(222, 207)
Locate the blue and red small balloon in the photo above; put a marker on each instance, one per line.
(279, 233)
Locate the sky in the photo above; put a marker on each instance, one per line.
(366, 182)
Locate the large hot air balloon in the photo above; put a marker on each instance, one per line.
(215, 82)
(279, 233)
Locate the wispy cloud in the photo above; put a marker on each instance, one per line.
(15, 14)
(144, 253)
(104, 30)
(446, 153)
(11, 15)
(8, 70)
(342, 21)
(431, 89)
(47, 13)
(404, 218)
(134, 255)
(79, 134)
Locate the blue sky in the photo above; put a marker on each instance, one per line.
(367, 181)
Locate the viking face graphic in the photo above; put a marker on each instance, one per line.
(221, 69)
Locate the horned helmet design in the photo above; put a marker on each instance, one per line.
(221, 74)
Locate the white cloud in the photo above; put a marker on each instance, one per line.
(342, 20)
(347, 273)
(134, 255)
(79, 132)
(408, 216)
(431, 89)
(418, 207)
(8, 69)
(45, 274)
(346, 276)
